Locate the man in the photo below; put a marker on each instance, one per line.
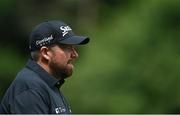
(35, 89)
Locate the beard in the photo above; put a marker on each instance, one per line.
(60, 71)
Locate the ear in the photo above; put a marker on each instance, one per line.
(45, 53)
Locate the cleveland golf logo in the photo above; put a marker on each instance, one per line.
(65, 29)
(44, 41)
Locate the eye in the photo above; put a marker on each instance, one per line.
(66, 47)
(69, 47)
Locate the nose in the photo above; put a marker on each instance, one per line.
(74, 53)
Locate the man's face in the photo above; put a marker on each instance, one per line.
(61, 60)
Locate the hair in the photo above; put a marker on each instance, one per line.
(35, 55)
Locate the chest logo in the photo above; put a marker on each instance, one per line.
(60, 110)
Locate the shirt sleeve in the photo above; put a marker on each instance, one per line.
(29, 102)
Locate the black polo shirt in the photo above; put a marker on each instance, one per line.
(34, 91)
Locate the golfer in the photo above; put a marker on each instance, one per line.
(35, 90)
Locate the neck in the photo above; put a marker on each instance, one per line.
(47, 69)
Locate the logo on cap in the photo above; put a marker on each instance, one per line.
(65, 29)
(44, 41)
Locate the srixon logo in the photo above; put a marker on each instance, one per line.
(65, 29)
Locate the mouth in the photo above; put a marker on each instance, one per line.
(71, 62)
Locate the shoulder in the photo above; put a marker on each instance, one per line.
(27, 76)
(27, 79)
(27, 85)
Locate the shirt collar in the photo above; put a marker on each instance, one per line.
(44, 75)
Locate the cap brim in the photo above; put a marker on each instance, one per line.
(75, 40)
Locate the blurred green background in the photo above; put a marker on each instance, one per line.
(131, 64)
